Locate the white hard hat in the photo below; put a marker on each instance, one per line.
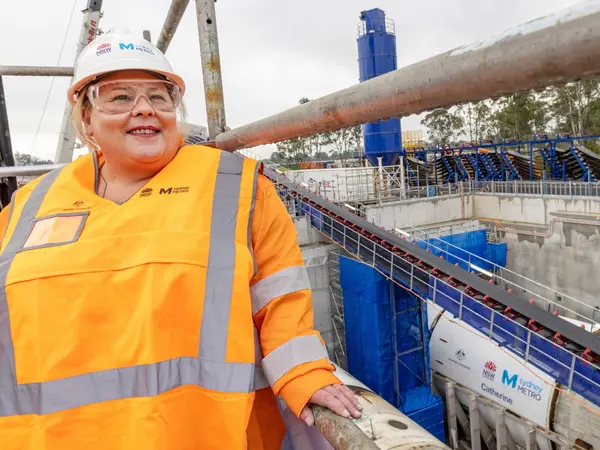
(116, 50)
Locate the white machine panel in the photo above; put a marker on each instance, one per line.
(465, 355)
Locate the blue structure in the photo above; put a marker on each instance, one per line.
(512, 160)
(388, 347)
(376, 56)
(470, 246)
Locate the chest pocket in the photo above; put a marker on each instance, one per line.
(54, 230)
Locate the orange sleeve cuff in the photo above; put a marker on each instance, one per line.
(298, 391)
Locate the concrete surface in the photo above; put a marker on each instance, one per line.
(421, 212)
(315, 251)
(552, 240)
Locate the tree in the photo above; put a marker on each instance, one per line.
(292, 150)
(476, 119)
(576, 107)
(277, 157)
(520, 116)
(345, 142)
(442, 126)
(24, 159)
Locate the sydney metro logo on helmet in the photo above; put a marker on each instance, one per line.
(138, 47)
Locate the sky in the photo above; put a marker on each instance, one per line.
(273, 52)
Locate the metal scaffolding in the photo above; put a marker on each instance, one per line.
(89, 30)
(176, 11)
(211, 67)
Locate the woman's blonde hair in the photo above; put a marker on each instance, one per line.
(83, 104)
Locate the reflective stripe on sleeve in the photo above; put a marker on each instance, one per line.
(291, 279)
(296, 351)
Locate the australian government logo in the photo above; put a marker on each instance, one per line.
(459, 357)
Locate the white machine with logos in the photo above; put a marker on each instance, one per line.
(471, 360)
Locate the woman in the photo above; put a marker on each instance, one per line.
(152, 291)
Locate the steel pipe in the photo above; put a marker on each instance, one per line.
(36, 71)
(341, 433)
(211, 67)
(24, 171)
(176, 11)
(555, 49)
(89, 30)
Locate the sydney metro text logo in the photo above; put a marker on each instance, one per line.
(524, 387)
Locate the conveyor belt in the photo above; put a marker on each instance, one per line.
(566, 352)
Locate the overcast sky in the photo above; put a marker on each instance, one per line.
(273, 52)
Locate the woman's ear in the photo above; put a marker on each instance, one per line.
(87, 121)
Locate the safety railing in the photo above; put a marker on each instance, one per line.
(562, 363)
(381, 26)
(543, 188)
(541, 296)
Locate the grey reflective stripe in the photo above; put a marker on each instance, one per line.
(251, 215)
(10, 213)
(291, 279)
(260, 380)
(296, 351)
(221, 259)
(129, 382)
(14, 398)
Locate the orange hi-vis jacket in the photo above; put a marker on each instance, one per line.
(155, 323)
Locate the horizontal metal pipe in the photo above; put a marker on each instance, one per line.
(341, 433)
(24, 171)
(555, 49)
(176, 11)
(36, 71)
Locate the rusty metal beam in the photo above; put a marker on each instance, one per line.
(211, 67)
(176, 11)
(556, 49)
(341, 433)
(36, 71)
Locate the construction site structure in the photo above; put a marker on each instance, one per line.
(426, 318)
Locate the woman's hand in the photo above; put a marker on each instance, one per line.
(338, 398)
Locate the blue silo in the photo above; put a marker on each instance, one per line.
(376, 56)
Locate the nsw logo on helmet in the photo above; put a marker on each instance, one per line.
(102, 49)
(134, 47)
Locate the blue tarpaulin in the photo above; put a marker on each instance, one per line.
(455, 248)
(370, 343)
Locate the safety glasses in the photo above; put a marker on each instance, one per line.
(121, 96)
